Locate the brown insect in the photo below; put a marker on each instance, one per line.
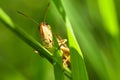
(45, 30)
(65, 51)
(46, 33)
(47, 39)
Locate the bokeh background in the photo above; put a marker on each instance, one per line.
(96, 24)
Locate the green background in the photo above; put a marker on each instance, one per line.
(96, 24)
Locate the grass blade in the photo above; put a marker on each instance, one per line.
(58, 71)
(24, 36)
(5, 19)
(77, 62)
(108, 12)
(58, 68)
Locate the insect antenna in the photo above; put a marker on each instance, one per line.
(28, 17)
(46, 10)
(58, 36)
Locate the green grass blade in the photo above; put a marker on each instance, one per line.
(24, 36)
(81, 27)
(108, 12)
(58, 70)
(77, 62)
(5, 19)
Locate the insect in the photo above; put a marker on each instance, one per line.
(46, 33)
(65, 51)
(45, 30)
(47, 38)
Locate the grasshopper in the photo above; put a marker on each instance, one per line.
(47, 38)
(65, 51)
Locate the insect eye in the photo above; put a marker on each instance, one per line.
(50, 40)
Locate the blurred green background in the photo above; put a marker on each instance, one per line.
(96, 24)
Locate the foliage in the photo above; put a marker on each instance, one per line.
(91, 27)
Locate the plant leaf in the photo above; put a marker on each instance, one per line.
(58, 69)
(5, 19)
(24, 36)
(77, 62)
